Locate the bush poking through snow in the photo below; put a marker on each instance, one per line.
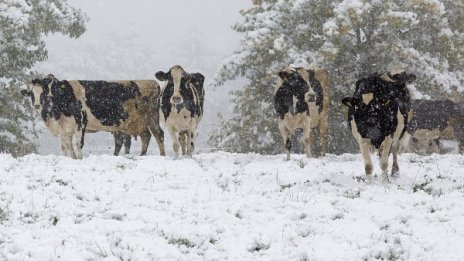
(3, 214)
(259, 245)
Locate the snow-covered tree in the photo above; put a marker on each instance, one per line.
(23, 23)
(349, 38)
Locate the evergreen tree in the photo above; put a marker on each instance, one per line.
(350, 38)
(22, 27)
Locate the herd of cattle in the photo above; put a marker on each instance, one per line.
(381, 113)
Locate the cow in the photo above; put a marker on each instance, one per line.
(62, 113)
(130, 107)
(181, 106)
(301, 100)
(378, 116)
(432, 120)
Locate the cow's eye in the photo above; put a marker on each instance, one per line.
(414, 140)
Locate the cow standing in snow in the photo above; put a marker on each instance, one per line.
(69, 108)
(62, 113)
(181, 106)
(378, 116)
(432, 120)
(301, 100)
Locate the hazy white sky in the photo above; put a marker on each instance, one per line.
(146, 34)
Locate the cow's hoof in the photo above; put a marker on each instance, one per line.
(369, 179)
(395, 174)
(385, 179)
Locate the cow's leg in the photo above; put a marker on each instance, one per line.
(118, 140)
(145, 137)
(66, 141)
(308, 138)
(64, 150)
(404, 143)
(190, 142)
(174, 140)
(323, 131)
(365, 145)
(159, 136)
(386, 148)
(78, 142)
(394, 150)
(395, 168)
(127, 144)
(461, 146)
(183, 141)
(191, 137)
(285, 132)
(396, 143)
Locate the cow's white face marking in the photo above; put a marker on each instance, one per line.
(367, 98)
(176, 72)
(37, 90)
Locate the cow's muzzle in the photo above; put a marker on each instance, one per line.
(310, 98)
(176, 99)
(37, 106)
(374, 133)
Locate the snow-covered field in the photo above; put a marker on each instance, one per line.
(220, 206)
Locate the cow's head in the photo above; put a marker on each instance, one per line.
(399, 76)
(41, 92)
(295, 80)
(178, 81)
(375, 103)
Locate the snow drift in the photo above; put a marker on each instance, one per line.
(221, 206)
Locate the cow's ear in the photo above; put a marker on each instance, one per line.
(197, 79)
(284, 75)
(347, 101)
(36, 82)
(162, 76)
(25, 92)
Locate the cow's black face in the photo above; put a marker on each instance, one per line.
(292, 80)
(295, 85)
(373, 108)
(293, 94)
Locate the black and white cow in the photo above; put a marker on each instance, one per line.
(378, 116)
(62, 113)
(301, 100)
(130, 107)
(432, 120)
(181, 106)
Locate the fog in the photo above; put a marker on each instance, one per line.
(133, 40)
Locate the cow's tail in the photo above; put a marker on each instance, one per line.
(84, 126)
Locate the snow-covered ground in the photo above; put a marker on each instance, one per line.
(220, 206)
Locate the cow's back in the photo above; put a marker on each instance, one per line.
(434, 114)
(127, 106)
